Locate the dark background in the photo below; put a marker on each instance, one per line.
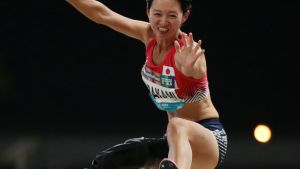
(61, 75)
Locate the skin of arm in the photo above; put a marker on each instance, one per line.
(189, 59)
(101, 14)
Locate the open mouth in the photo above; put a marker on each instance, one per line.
(163, 30)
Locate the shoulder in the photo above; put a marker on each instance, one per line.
(149, 36)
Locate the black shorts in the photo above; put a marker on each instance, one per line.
(138, 152)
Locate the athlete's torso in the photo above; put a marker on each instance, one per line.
(173, 92)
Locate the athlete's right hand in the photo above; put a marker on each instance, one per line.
(190, 58)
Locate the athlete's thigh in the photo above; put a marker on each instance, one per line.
(204, 146)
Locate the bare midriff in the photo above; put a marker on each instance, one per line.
(196, 111)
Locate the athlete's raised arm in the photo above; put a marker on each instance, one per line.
(99, 13)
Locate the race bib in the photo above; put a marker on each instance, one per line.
(162, 89)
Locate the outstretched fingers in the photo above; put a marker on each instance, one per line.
(184, 39)
(191, 40)
(177, 46)
(199, 49)
(190, 49)
(188, 40)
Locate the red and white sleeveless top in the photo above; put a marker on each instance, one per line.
(169, 88)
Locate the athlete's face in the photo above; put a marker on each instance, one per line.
(166, 17)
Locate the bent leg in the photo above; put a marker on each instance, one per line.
(136, 153)
(192, 146)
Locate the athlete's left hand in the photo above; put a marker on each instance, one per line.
(190, 58)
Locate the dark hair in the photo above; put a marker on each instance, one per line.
(185, 5)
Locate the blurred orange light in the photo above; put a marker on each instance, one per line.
(262, 133)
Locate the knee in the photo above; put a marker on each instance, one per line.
(175, 127)
(100, 162)
(131, 152)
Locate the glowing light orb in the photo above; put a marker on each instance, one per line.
(262, 133)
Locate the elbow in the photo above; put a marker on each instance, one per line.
(102, 18)
(99, 19)
(100, 14)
